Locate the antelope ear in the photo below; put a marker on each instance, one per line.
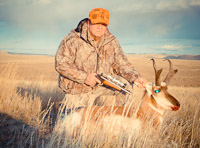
(149, 88)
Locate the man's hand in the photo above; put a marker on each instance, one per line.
(91, 80)
(141, 82)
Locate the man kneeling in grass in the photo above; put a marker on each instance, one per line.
(86, 51)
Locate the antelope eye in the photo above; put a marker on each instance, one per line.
(157, 91)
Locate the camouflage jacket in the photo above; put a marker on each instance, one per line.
(78, 55)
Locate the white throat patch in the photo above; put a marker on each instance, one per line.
(156, 109)
(149, 88)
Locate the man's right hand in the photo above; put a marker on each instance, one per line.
(91, 80)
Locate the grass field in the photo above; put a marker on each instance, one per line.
(29, 92)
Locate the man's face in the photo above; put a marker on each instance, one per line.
(97, 30)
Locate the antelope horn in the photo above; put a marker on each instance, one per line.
(157, 73)
(171, 72)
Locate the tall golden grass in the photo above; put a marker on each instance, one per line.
(28, 109)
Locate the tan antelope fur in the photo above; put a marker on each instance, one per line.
(155, 101)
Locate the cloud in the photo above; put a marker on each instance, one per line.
(161, 30)
(195, 3)
(22, 2)
(155, 5)
(172, 5)
(35, 14)
(131, 20)
(45, 2)
(171, 47)
(41, 14)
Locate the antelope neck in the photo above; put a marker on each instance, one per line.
(152, 106)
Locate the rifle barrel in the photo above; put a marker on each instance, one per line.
(111, 84)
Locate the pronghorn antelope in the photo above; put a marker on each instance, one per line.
(155, 101)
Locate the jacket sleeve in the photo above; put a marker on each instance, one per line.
(122, 66)
(65, 61)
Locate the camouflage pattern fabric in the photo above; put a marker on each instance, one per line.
(79, 55)
(99, 96)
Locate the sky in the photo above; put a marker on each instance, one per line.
(141, 26)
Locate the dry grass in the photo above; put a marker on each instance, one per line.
(29, 91)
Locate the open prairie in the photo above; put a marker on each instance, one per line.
(28, 110)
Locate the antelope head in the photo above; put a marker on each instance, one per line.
(160, 97)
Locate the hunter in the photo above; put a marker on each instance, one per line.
(86, 51)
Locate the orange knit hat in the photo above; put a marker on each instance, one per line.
(99, 16)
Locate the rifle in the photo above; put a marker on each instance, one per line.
(112, 82)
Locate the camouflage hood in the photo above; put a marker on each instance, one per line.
(82, 31)
(78, 55)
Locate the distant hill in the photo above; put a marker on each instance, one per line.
(165, 56)
(156, 56)
(145, 55)
(3, 52)
(186, 57)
